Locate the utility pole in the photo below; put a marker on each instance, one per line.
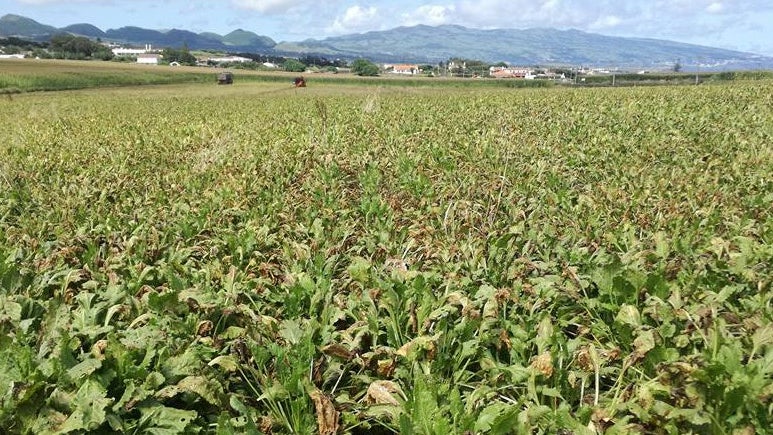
(697, 71)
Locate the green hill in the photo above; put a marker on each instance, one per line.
(427, 44)
(526, 47)
(243, 38)
(84, 29)
(15, 25)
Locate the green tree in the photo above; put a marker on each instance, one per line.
(43, 53)
(182, 56)
(364, 67)
(428, 70)
(294, 65)
(74, 47)
(11, 49)
(103, 53)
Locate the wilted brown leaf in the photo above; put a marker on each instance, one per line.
(748, 430)
(642, 344)
(266, 425)
(600, 421)
(204, 328)
(98, 350)
(504, 340)
(543, 364)
(338, 350)
(386, 367)
(396, 265)
(383, 393)
(585, 359)
(327, 416)
(425, 342)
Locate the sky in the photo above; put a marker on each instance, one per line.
(745, 25)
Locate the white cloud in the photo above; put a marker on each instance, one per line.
(431, 15)
(528, 13)
(267, 6)
(728, 23)
(606, 22)
(47, 2)
(715, 8)
(355, 19)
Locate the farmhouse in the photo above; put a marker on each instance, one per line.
(502, 72)
(148, 59)
(405, 69)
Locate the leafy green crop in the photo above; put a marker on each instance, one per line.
(335, 259)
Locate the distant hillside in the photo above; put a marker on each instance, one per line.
(238, 40)
(525, 47)
(426, 44)
(84, 30)
(15, 25)
(243, 38)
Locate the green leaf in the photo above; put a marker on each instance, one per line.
(186, 364)
(550, 392)
(762, 338)
(359, 269)
(628, 315)
(84, 369)
(246, 418)
(495, 417)
(207, 389)
(162, 420)
(291, 330)
(227, 362)
(644, 342)
(661, 244)
(10, 310)
(89, 403)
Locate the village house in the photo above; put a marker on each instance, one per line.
(404, 69)
(549, 75)
(503, 72)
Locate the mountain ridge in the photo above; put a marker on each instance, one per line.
(429, 44)
(526, 46)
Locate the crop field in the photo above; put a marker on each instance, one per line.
(360, 259)
(35, 75)
(32, 75)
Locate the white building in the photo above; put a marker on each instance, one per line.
(230, 59)
(510, 72)
(148, 59)
(403, 68)
(121, 51)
